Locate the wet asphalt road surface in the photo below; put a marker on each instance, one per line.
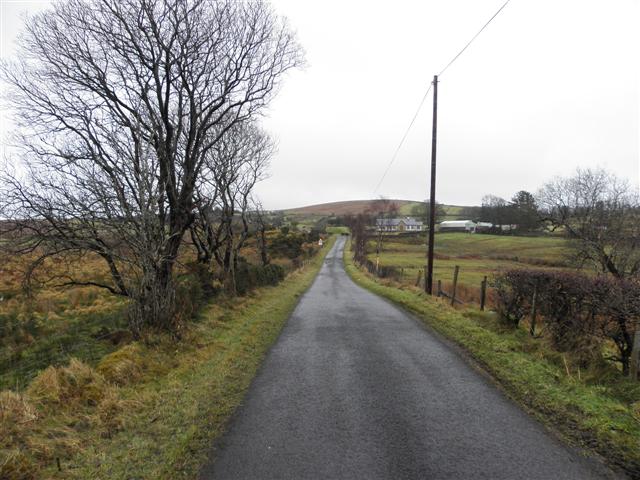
(355, 388)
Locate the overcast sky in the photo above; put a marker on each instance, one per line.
(549, 86)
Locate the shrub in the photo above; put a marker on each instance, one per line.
(189, 299)
(250, 276)
(566, 303)
(514, 293)
(617, 304)
(579, 311)
(287, 245)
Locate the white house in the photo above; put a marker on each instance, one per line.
(406, 224)
(458, 226)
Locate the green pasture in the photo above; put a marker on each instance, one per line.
(476, 255)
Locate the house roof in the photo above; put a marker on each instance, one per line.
(457, 223)
(394, 222)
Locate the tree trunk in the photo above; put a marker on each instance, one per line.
(263, 247)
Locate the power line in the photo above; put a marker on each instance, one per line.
(395, 154)
(474, 37)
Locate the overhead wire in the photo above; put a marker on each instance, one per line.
(397, 150)
(474, 37)
(395, 154)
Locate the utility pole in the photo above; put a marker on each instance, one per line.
(428, 284)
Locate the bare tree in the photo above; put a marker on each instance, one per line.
(261, 232)
(422, 210)
(119, 103)
(358, 225)
(233, 167)
(600, 213)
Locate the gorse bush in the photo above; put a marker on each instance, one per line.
(287, 245)
(579, 311)
(250, 276)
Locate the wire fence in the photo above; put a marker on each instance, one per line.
(457, 294)
(87, 338)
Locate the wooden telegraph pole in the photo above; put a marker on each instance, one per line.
(428, 284)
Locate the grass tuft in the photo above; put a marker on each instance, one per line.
(67, 387)
(124, 366)
(15, 465)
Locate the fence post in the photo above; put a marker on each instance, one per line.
(483, 292)
(635, 355)
(439, 288)
(418, 279)
(455, 285)
(534, 302)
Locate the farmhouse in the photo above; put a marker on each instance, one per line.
(406, 224)
(458, 226)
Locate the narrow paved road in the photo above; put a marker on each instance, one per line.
(357, 389)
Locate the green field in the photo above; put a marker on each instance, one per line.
(476, 255)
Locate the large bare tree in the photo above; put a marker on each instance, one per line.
(119, 104)
(600, 213)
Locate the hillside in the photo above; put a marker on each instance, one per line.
(354, 207)
(350, 207)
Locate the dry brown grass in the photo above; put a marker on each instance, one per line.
(17, 419)
(15, 465)
(76, 384)
(17, 414)
(50, 420)
(123, 366)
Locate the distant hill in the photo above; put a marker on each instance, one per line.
(349, 207)
(353, 207)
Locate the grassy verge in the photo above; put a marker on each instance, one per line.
(149, 411)
(596, 411)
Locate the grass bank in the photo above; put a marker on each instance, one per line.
(148, 411)
(596, 410)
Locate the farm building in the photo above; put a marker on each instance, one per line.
(458, 226)
(484, 227)
(406, 224)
